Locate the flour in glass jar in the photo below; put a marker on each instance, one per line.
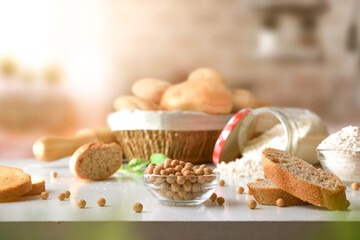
(250, 164)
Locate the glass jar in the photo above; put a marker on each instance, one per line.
(295, 130)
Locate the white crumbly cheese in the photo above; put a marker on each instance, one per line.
(347, 139)
(250, 165)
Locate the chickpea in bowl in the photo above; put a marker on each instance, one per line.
(178, 183)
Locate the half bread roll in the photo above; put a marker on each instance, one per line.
(96, 161)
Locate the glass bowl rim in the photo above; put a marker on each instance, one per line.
(217, 174)
(340, 151)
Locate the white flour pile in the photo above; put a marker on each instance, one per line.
(250, 165)
(344, 160)
(347, 138)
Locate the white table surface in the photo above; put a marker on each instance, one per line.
(122, 191)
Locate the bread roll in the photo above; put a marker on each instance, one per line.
(96, 161)
(263, 103)
(203, 95)
(206, 74)
(150, 89)
(134, 103)
(242, 98)
(13, 183)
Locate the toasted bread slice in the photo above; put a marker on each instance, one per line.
(13, 183)
(38, 186)
(266, 193)
(303, 180)
(96, 160)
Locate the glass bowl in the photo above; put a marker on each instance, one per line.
(192, 190)
(344, 164)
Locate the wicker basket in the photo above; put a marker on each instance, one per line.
(190, 146)
(187, 136)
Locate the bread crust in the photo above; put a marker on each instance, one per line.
(304, 190)
(37, 186)
(14, 182)
(76, 161)
(269, 195)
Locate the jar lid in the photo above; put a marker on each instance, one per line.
(226, 147)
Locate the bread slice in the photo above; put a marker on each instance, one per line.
(266, 193)
(37, 186)
(303, 180)
(96, 160)
(13, 183)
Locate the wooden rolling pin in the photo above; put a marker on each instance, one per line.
(53, 148)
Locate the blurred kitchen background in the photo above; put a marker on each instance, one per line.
(63, 62)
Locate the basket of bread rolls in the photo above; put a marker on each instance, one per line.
(180, 120)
